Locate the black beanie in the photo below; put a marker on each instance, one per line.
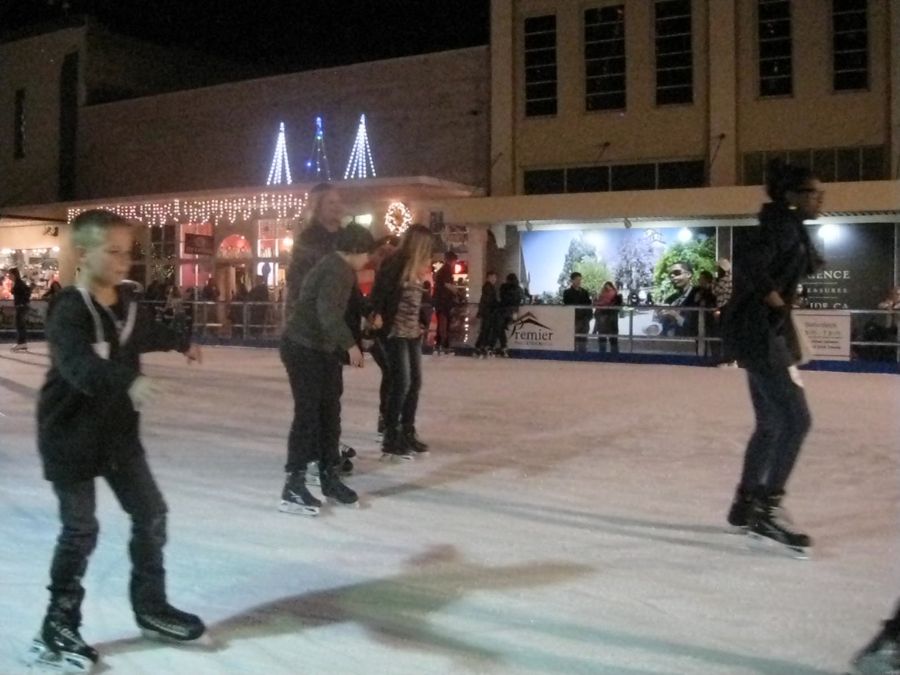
(354, 239)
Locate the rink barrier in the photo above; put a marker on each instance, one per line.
(260, 324)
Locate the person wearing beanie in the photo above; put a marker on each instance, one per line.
(317, 342)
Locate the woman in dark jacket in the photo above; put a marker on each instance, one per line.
(396, 300)
(21, 299)
(606, 317)
(760, 334)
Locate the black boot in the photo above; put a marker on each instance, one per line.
(296, 498)
(412, 440)
(59, 632)
(394, 446)
(334, 489)
(881, 656)
(168, 622)
(381, 424)
(771, 521)
(741, 509)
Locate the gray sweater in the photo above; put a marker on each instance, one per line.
(317, 317)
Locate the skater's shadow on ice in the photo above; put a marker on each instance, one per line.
(395, 610)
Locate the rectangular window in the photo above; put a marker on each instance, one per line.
(19, 125)
(775, 48)
(874, 166)
(848, 164)
(587, 179)
(544, 182)
(634, 177)
(754, 168)
(604, 58)
(681, 175)
(850, 44)
(824, 164)
(540, 65)
(674, 52)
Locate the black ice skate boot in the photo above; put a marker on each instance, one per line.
(296, 498)
(394, 447)
(170, 623)
(381, 424)
(59, 643)
(770, 521)
(881, 656)
(335, 490)
(741, 509)
(346, 451)
(412, 440)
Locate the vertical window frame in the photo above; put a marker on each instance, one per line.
(768, 61)
(533, 104)
(838, 13)
(675, 67)
(19, 122)
(611, 64)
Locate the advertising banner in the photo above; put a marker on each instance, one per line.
(828, 333)
(543, 327)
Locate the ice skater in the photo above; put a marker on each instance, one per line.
(88, 427)
(488, 306)
(761, 336)
(882, 655)
(396, 298)
(21, 299)
(316, 340)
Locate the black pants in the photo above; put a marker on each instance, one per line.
(21, 330)
(317, 383)
(136, 490)
(782, 422)
(442, 338)
(502, 320)
(405, 364)
(379, 354)
(486, 331)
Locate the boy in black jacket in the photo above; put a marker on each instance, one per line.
(88, 427)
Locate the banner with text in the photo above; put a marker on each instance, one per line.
(828, 333)
(543, 327)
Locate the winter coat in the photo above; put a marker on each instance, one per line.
(511, 295)
(488, 302)
(777, 256)
(579, 296)
(21, 293)
(86, 421)
(444, 298)
(606, 316)
(387, 291)
(315, 242)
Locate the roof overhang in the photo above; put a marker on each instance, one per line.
(870, 201)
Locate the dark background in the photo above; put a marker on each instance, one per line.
(277, 35)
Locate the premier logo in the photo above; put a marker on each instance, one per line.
(529, 330)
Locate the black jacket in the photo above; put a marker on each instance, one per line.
(21, 293)
(511, 295)
(314, 244)
(489, 301)
(775, 257)
(387, 291)
(86, 422)
(445, 299)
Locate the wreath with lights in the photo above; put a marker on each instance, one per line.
(397, 218)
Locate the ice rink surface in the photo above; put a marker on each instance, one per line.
(569, 519)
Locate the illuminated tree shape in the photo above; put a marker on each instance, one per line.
(360, 164)
(317, 165)
(280, 172)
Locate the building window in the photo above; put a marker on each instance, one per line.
(604, 58)
(829, 164)
(674, 53)
(775, 48)
(545, 181)
(672, 175)
(587, 179)
(540, 66)
(19, 125)
(850, 44)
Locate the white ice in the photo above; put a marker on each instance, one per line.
(569, 519)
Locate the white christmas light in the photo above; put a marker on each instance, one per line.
(360, 164)
(317, 165)
(280, 171)
(397, 218)
(284, 206)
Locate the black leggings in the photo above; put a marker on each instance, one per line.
(404, 357)
(782, 422)
(21, 329)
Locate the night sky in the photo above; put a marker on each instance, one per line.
(278, 35)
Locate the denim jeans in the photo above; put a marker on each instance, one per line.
(782, 422)
(136, 490)
(404, 357)
(317, 384)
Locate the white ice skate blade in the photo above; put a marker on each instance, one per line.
(298, 509)
(39, 659)
(764, 543)
(389, 457)
(334, 502)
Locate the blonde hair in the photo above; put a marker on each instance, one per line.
(415, 251)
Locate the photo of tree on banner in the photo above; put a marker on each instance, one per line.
(582, 258)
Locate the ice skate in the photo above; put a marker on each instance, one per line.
(312, 474)
(19, 348)
(59, 647)
(393, 448)
(381, 425)
(771, 525)
(412, 441)
(297, 499)
(741, 511)
(335, 490)
(169, 623)
(347, 452)
(880, 657)
(346, 467)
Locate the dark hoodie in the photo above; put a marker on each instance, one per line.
(315, 243)
(775, 257)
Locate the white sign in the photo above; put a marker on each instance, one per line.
(543, 327)
(828, 333)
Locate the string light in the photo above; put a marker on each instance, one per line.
(280, 171)
(397, 218)
(317, 165)
(283, 206)
(360, 163)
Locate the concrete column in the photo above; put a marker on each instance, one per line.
(722, 142)
(893, 48)
(477, 258)
(503, 100)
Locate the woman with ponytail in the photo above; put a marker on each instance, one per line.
(760, 334)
